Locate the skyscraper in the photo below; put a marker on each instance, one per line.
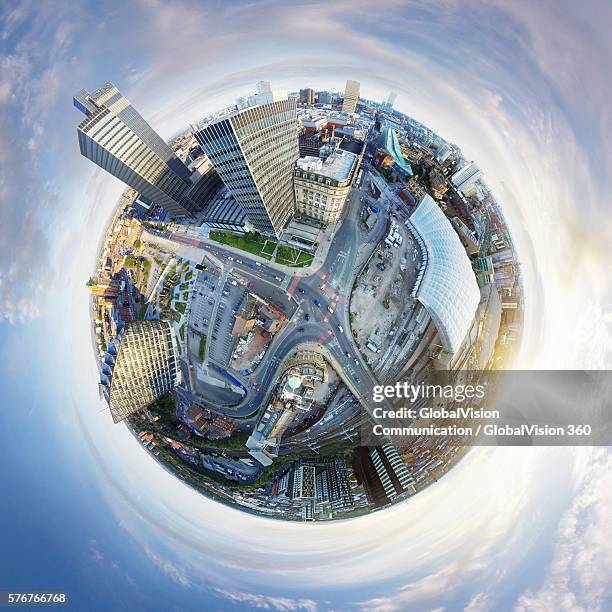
(382, 473)
(254, 151)
(307, 95)
(351, 96)
(115, 137)
(263, 87)
(140, 366)
(390, 101)
(465, 178)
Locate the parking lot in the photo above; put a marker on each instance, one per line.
(204, 297)
(220, 338)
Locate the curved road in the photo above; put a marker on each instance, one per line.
(328, 324)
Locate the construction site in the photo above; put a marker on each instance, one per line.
(381, 300)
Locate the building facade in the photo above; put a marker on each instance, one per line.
(465, 178)
(307, 96)
(140, 366)
(351, 97)
(322, 186)
(116, 137)
(254, 151)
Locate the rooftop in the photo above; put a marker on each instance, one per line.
(337, 166)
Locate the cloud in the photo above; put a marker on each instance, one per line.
(579, 575)
(96, 555)
(173, 572)
(268, 602)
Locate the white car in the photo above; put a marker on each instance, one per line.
(258, 264)
(340, 329)
(230, 258)
(278, 278)
(330, 309)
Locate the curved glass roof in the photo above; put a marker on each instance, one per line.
(446, 284)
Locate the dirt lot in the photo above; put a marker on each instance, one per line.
(380, 297)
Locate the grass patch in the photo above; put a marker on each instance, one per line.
(286, 253)
(180, 307)
(184, 287)
(202, 348)
(269, 247)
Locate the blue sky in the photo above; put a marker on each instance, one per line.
(523, 89)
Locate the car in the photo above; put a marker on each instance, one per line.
(356, 361)
(381, 267)
(239, 261)
(306, 317)
(340, 329)
(258, 264)
(316, 303)
(301, 290)
(300, 329)
(230, 258)
(278, 278)
(347, 354)
(330, 309)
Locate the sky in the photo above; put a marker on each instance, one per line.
(523, 88)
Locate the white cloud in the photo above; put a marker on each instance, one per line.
(579, 576)
(171, 570)
(268, 602)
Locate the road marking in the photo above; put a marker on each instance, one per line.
(292, 286)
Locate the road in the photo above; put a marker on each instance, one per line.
(323, 295)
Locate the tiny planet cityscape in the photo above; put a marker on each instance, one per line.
(267, 268)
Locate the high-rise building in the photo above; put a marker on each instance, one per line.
(465, 178)
(324, 97)
(388, 105)
(351, 97)
(304, 485)
(254, 151)
(116, 137)
(264, 87)
(108, 288)
(139, 366)
(443, 152)
(382, 473)
(307, 96)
